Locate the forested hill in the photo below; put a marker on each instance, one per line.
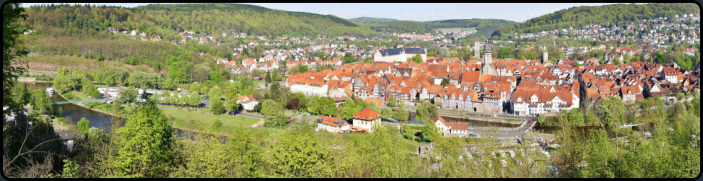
(485, 27)
(588, 15)
(371, 19)
(395, 26)
(168, 19)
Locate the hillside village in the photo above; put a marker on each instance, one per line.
(483, 84)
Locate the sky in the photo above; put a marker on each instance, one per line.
(518, 12)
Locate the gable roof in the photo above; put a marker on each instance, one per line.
(367, 115)
(439, 118)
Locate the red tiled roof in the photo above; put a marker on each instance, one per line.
(367, 114)
(439, 118)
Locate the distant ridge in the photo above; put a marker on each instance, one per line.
(372, 19)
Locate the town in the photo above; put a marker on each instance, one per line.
(245, 90)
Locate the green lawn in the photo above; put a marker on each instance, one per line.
(74, 95)
(182, 117)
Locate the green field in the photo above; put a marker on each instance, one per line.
(445, 30)
(74, 95)
(182, 117)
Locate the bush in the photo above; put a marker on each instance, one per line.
(217, 125)
(83, 126)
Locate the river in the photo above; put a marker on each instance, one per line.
(75, 113)
(97, 119)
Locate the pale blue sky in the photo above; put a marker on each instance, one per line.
(415, 11)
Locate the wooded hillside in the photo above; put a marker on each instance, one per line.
(604, 15)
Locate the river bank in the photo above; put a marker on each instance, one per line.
(86, 107)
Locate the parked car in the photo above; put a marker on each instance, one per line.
(473, 135)
(531, 121)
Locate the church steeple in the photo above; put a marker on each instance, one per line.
(487, 68)
(487, 55)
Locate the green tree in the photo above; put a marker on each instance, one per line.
(83, 125)
(70, 169)
(299, 154)
(217, 107)
(273, 113)
(430, 132)
(215, 93)
(145, 145)
(268, 77)
(302, 68)
(330, 107)
(416, 58)
(400, 114)
(659, 57)
(613, 111)
(505, 52)
(231, 105)
(20, 94)
(193, 99)
(215, 76)
(387, 112)
(445, 82)
(407, 134)
(349, 108)
(426, 111)
(374, 106)
(128, 95)
(302, 101)
(202, 158)
(13, 17)
(392, 101)
(195, 86)
(274, 74)
(247, 154)
(217, 125)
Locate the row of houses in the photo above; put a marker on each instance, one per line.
(488, 85)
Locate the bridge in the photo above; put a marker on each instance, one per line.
(76, 101)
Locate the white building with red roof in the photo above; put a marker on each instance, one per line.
(366, 119)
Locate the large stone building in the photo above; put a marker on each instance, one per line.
(310, 88)
(399, 54)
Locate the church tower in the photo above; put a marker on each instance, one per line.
(487, 68)
(477, 50)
